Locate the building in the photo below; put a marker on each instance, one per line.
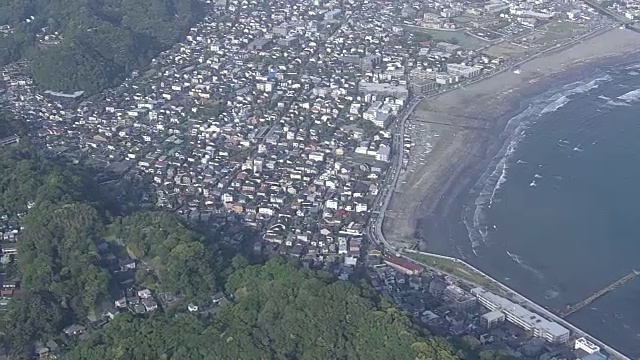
(491, 319)
(422, 86)
(464, 70)
(398, 91)
(436, 288)
(518, 315)
(460, 298)
(586, 346)
(383, 153)
(403, 265)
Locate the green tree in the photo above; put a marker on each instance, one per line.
(30, 317)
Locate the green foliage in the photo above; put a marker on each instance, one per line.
(103, 40)
(31, 317)
(184, 263)
(71, 67)
(281, 312)
(25, 176)
(57, 253)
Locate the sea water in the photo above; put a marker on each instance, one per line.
(556, 215)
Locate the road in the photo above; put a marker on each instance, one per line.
(374, 229)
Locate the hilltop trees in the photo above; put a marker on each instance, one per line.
(184, 261)
(102, 41)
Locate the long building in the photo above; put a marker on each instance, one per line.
(529, 321)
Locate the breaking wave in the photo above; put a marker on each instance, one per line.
(486, 189)
(631, 96)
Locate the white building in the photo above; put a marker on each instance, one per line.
(383, 153)
(493, 318)
(524, 318)
(464, 70)
(332, 204)
(586, 346)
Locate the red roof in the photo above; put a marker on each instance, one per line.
(403, 263)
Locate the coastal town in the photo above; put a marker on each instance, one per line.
(288, 118)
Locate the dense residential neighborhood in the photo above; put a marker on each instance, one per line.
(282, 117)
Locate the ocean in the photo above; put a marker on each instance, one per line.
(556, 215)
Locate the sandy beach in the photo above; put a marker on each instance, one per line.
(456, 134)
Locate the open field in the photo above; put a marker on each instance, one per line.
(556, 31)
(505, 49)
(455, 268)
(463, 39)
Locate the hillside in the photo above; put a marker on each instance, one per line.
(90, 44)
(280, 312)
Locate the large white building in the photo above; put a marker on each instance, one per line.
(518, 315)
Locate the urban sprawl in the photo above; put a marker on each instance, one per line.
(287, 116)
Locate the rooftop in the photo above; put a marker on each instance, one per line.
(526, 316)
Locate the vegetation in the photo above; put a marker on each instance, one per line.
(455, 268)
(58, 254)
(32, 316)
(280, 312)
(60, 269)
(184, 264)
(101, 42)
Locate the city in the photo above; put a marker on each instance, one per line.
(289, 118)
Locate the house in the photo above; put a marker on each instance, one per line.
(128, 265)
(9, 285)
(144, 293)
(219, 299)
(74, 330)
(111, 313)
(149, 304)
(403, 265)
(192, 308)
(121, 303)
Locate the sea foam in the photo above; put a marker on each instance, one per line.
(631, 96)
(487, 188)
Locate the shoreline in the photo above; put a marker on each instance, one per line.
(428, 200)
(431, 194)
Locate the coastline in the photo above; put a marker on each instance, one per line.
(465, 131)
(456, 135)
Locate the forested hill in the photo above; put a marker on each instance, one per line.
(90, 44)
(280, 312)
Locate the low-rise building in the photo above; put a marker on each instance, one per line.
(529, 321)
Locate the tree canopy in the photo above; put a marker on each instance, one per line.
(184, 261)
(101, 40)
(280, 312)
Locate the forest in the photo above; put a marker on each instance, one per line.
(279, 312)
(101, 40)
